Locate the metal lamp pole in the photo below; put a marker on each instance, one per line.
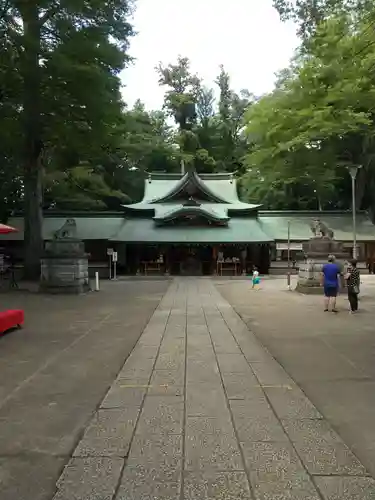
(288, 275)
(353, 170)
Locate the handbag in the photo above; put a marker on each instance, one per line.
(356, 289)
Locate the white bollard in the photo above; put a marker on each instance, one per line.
(96, 282)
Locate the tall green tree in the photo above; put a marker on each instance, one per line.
(320, 118)
(232, 144)
(104, 178)
(210, 130)
(67, 55)
(187, 102)
(145, 143)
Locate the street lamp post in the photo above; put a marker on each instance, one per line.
(288, 276)
(353, 170)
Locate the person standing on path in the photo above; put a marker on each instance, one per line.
(330, 282)
(255, 278)
(353, 279)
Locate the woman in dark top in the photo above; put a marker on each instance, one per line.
(353, 280)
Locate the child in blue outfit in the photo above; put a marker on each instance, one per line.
(255, 278)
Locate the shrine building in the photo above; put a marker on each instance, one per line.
(195, 224)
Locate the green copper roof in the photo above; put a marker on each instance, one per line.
(218, 188)
(88, 228)
(182, 210)
(267, 226)
(160, 208)
(238, 231)
(190, 179)
(276, 224)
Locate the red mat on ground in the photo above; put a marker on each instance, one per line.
(10, 319)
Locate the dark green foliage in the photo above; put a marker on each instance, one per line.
(318, 121)
(209, 135)
(59, 61)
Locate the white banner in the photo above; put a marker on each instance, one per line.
(292, 246)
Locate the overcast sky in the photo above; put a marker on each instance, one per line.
(244, 35)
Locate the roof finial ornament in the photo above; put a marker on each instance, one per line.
(191, 202)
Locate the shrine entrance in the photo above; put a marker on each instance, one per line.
(186, 260)
(197, 259)
(191, 266)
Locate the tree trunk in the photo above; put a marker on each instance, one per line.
(33, 220)
(33, 242)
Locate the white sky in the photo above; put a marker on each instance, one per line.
(244, 35)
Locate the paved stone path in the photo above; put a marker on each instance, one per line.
(55, 371)
(201, 411)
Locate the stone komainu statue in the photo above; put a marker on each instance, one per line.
(320, 229)
(67, 230)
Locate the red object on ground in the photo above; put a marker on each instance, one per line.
(10, 319)
(4, 229)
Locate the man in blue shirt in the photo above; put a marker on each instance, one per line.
(330, 281)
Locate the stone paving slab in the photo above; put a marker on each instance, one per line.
(218, 425)
(291, 403)
(211, 451)
(346, 488)
(321, 449)
(234, 363)
(240, 385)
(272, 462)
(167, 383)
(137, 369)
(89, 478)
(139, 483)
(215, 417)
(172, 346)
(257, 424)
(109, 433)
(216, 486)
(162, 452)
(170, 361)
(270, 373)
(205, 399)
(162, 415)
(203, 371)
(125, 393)
(296, 489)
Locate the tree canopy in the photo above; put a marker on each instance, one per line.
(318, 120)
(309, 14)
(60, 61)
(209, 132)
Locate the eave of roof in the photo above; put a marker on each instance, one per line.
(238, 230)
(112, 225)
(191, 210)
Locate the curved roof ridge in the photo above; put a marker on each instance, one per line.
(164, 175)
(179, 175)
(181, 209)
(217, 175)
(190, 176)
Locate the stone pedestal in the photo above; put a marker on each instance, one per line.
(317, 250)
(64, 267)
